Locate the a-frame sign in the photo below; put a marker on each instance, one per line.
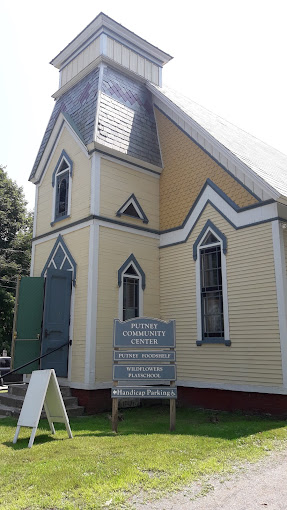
(44, 390)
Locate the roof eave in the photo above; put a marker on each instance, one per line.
(96, 26)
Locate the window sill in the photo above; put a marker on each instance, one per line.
(213, 341)
(59, 219)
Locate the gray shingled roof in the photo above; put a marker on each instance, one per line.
(79, 106)
(267, 162)
(126, 118)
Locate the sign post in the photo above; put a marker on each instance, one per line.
(144, 352)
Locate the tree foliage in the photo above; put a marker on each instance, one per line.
(16, 226)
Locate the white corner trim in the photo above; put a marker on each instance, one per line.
(239, 219)
(103, 44)
(95, 183)
(32, 260)
(92, 298)
(35, 211)
(281, 286)
(99, 93)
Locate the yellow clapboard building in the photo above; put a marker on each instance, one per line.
(149, 205)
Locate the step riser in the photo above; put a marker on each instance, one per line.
(16, 401)
(21, 390)
(11, 402)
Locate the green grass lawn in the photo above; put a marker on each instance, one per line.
(98, 469)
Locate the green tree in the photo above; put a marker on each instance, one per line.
(16, 226)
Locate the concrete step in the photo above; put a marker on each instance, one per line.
(11, 402)
(14, 412)
(20, 389)
(7, 399)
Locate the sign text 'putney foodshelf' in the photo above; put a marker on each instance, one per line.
(144, 392)
(144, 356)
(144, 333)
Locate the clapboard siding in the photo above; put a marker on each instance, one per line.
(114, 248)
(78, 245)
(254, 357)
(80, 200)
(81, 61)
(132, 61)
(119, 182)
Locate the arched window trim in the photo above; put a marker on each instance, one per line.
(67, 257)
(56, 175)
(140, 275)
(197, 247)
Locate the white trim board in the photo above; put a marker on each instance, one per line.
(239, 219)
(281, 287)
(63, 232)
(92, 299)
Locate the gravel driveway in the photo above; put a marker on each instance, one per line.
(252, 487)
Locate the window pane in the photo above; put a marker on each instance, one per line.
(211, 292)
(62, 195)
(130, 298)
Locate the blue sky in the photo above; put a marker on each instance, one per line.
(229, 56)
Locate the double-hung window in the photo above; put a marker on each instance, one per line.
(61, 182)
(131, 282)
(211, 289)
(211, 286)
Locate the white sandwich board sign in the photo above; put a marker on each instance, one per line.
(43, 390)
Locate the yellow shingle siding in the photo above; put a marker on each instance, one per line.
(254, 357)
(186, 168)
(78, 244)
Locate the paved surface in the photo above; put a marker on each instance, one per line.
(252, 487)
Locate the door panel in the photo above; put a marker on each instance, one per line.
(56, 319)
(27, 323)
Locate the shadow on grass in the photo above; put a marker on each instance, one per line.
(155, 420)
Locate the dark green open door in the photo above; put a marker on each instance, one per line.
(56, 320)
(28, 321)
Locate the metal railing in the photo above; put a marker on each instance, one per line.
(33, 361)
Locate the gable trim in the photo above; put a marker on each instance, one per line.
(234, 216)
(132, 200)
(60, 242)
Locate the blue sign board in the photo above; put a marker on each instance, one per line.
(144, 372)
(144, 333)
(144, 355)
(144, 392)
